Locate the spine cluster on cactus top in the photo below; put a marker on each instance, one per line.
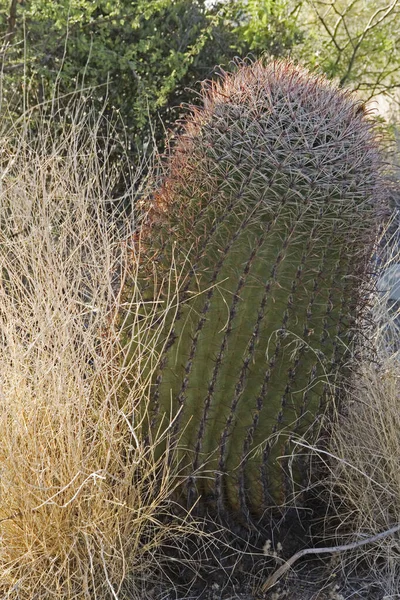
(268, 209)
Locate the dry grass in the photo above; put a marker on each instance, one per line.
(365, 448)
(84, 505)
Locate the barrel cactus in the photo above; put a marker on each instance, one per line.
(267, 214)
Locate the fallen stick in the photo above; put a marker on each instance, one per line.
(271, 581)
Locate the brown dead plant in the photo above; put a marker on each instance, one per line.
(84, 503)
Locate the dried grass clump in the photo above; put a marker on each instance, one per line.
(84, 505)
(365, 476)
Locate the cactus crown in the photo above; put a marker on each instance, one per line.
(269, 211)
(273, 135)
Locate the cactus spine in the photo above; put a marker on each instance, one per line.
(268, 211)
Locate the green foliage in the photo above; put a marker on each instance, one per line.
(267, 214)
(265, 26)
(138, 57)
(354, 41)
(147, 51)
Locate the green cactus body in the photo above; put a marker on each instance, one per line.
(268, 211)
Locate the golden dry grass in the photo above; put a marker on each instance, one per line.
(84, 504)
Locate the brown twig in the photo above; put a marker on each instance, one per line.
(271, 581)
